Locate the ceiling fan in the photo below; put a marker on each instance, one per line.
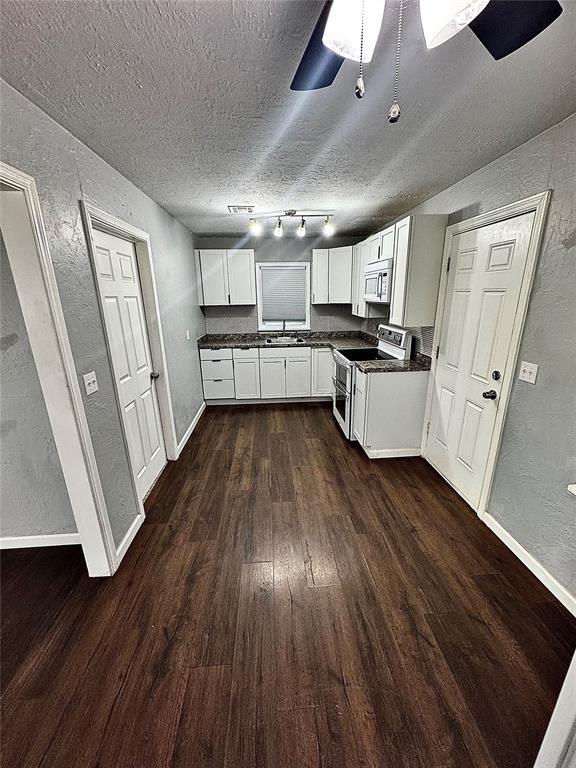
(350, 28)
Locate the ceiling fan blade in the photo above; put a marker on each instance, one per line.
(504, 26)
(318, 66)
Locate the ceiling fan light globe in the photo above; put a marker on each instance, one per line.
(442, 19)
(343, 28)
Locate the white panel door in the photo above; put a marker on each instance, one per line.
(273, 377)
(247, 378)
(214, 268)
(241, 277)
(117, 270)
(400, 271)
(320, 276)
(340, 275)
(322, 362)
(484, 282)
(298, 375)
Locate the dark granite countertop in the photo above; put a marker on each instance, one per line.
(420, 363)
(336, 339)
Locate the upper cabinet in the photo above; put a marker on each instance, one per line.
(226, 277)
(415, 245)
(418, 247)
(332, 275)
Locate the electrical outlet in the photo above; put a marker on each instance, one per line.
(528, 372)
(90, 382)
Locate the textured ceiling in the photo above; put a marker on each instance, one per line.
(191, 101)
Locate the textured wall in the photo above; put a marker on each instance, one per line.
(33, 495)
(323, 317)
(65, 172)
(538, 454)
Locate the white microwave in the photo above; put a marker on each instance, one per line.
(378, 282)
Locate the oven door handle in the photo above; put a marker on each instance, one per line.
(339, 386)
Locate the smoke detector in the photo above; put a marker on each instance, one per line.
(241, 209)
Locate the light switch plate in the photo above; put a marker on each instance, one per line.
(528, 372)
(90, 382)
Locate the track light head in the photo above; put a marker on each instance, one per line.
(255, 227)
(278, 231)
(301, 231)
(328, 228)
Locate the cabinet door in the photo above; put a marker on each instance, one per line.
(272, 377)
(247, 378)
(374, 248)
(401, 266)
(387, 243)
(241, 277)
(320, 276)
(322, 372)
(355, 297)
(297, 377)
(214, 276)
(340, 275)
(363, 256)
(359, 415)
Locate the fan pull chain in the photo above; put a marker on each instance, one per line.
(394, 112)
(360, 88)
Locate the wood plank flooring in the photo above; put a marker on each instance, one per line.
(288, 603)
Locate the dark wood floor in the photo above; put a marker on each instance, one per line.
(287, 603)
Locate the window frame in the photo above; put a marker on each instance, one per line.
(283, 325)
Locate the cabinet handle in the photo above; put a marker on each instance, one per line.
(379, 246)
(217, 379)
(313, 298)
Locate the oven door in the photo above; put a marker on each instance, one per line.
(341, 405)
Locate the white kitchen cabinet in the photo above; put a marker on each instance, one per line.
(247, 378)
(226, 277)
(320, 276)
(418, 248)
(298, 377)
(332, 275)
(387, 243)
(374, 246)
(322, 371)
(241, 276)
(217, 373)
(395, 431)
(273, 377)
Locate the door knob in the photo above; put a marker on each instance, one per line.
(154, 375)
(490, 395)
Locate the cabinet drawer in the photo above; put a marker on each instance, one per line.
(215, 354)
(218, 389)
(245, 354)
(285, 352)
(217, 369)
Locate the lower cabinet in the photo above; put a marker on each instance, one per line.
(247, 378)
(322, 372)
(273, 377)
(267, 373)
(298, 377)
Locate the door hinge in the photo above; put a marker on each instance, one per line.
(437, 351)
(448, 263)
(427, 430)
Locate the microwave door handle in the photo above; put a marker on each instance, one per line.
(379, 287)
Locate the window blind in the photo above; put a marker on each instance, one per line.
(283, 293)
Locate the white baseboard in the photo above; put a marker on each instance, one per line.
(128, 538)
(46, 540)
(557, 589)
(190, 429)
(391, 453)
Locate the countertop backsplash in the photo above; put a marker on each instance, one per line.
(239, 319)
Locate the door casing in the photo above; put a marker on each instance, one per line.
(95, 218)
(539, 205)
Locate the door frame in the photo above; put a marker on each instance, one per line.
(37, 289)
(94, 218)
(537, 204)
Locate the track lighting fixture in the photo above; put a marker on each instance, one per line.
(278, 231)
(255, 227)
(328, 227)
(301, 231)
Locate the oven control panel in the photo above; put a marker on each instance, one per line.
(393, 335)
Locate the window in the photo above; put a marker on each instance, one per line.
(283, 296)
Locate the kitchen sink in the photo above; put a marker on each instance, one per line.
(284, 341)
